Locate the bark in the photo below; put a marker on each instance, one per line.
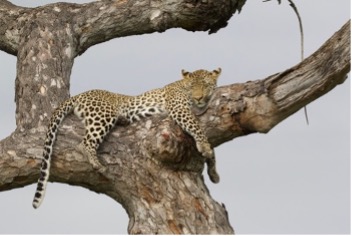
(153, 167)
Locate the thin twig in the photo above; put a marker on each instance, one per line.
(302, 45)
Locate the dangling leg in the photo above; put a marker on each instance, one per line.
(96, 128)
(213, 174)
(87, 148)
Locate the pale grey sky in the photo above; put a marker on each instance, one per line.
(293, 180)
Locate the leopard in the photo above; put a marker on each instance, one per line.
(101, 110)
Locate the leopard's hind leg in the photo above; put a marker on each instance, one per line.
(96, 129)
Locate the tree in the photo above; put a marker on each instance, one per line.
(45, 49)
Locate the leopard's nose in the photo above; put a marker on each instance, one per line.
(198, 97)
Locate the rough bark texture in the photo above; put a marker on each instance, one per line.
(154, 169)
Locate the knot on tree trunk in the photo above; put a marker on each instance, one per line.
(168, 145)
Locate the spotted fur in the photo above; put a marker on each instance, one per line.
(100, 110)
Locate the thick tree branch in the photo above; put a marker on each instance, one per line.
(260, 105)
(141, 17)
(100, 21)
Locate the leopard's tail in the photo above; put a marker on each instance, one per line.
(57, 117)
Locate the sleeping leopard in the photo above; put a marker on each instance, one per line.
(100, 110)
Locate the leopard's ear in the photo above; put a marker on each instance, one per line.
(215, 74)
(217, 71)
(185, 74)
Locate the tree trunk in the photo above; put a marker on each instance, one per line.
(153, 167)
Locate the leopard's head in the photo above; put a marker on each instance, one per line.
(203, 84)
